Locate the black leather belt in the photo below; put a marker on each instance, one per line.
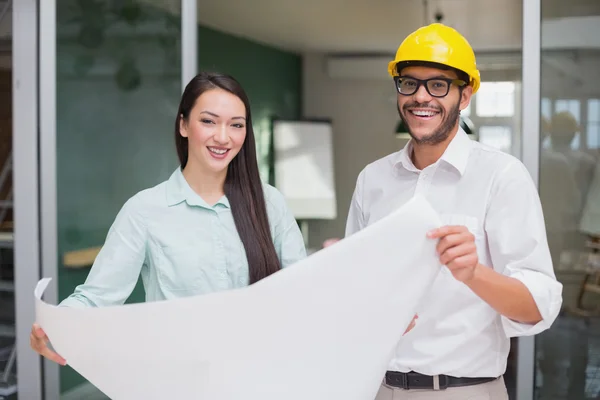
(414, 380)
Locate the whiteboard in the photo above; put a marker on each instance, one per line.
(304, 167)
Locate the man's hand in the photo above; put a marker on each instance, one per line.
(457, 251)
(507, 295)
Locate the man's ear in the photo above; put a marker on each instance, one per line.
(465, 97)
(182, 126)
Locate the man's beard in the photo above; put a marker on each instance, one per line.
(443, 130)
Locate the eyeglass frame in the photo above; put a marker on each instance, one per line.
(423, 82)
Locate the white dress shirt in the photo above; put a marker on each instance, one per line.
(493, 195)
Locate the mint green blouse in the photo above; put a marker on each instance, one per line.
(180, 245)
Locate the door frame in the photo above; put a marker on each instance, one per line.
(530, 136)
(25, 188)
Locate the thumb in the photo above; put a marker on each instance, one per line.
(38, 331)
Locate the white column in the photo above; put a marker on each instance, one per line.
(189, 41)
(530, 134)
(25, 186)
(48, 199)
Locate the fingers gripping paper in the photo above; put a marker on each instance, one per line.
(324, 328)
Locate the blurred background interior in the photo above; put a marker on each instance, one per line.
(110, 76)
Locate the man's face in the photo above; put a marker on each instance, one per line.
(429, 119)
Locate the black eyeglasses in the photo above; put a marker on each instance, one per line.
(436, 87)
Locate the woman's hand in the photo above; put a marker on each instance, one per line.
(411, 325)
(39, 342)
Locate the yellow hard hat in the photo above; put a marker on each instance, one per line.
(564, 123)
(440, 44)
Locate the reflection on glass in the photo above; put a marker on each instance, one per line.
(118, 87)
(593, 124)
(570, 106)
(568, 355)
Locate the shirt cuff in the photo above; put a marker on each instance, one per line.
(547, 294)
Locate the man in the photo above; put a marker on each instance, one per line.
(498, 280)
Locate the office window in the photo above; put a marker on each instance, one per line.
(499, 137)
(593, 124)
(495, 99)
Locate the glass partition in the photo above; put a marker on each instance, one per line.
(118, 83)
(568, 355)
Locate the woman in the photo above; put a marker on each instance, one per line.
(212, 226)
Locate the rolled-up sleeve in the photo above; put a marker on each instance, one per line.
(519, 247)
(117, 267)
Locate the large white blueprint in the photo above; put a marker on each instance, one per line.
(322, 329)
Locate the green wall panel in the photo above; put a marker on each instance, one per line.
(272, 79)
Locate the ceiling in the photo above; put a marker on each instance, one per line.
(362, 26)
(375, 26)
(369, 26)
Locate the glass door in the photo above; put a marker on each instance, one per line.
(111, 75)
(567, 356)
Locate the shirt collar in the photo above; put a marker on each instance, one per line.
(178, 190)
(456, 154)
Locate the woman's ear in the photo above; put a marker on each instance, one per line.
(182, 126)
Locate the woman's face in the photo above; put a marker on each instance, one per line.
(215, 129)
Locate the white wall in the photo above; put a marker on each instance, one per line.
(364, 116)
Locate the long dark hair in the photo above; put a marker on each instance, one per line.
(243, 186)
